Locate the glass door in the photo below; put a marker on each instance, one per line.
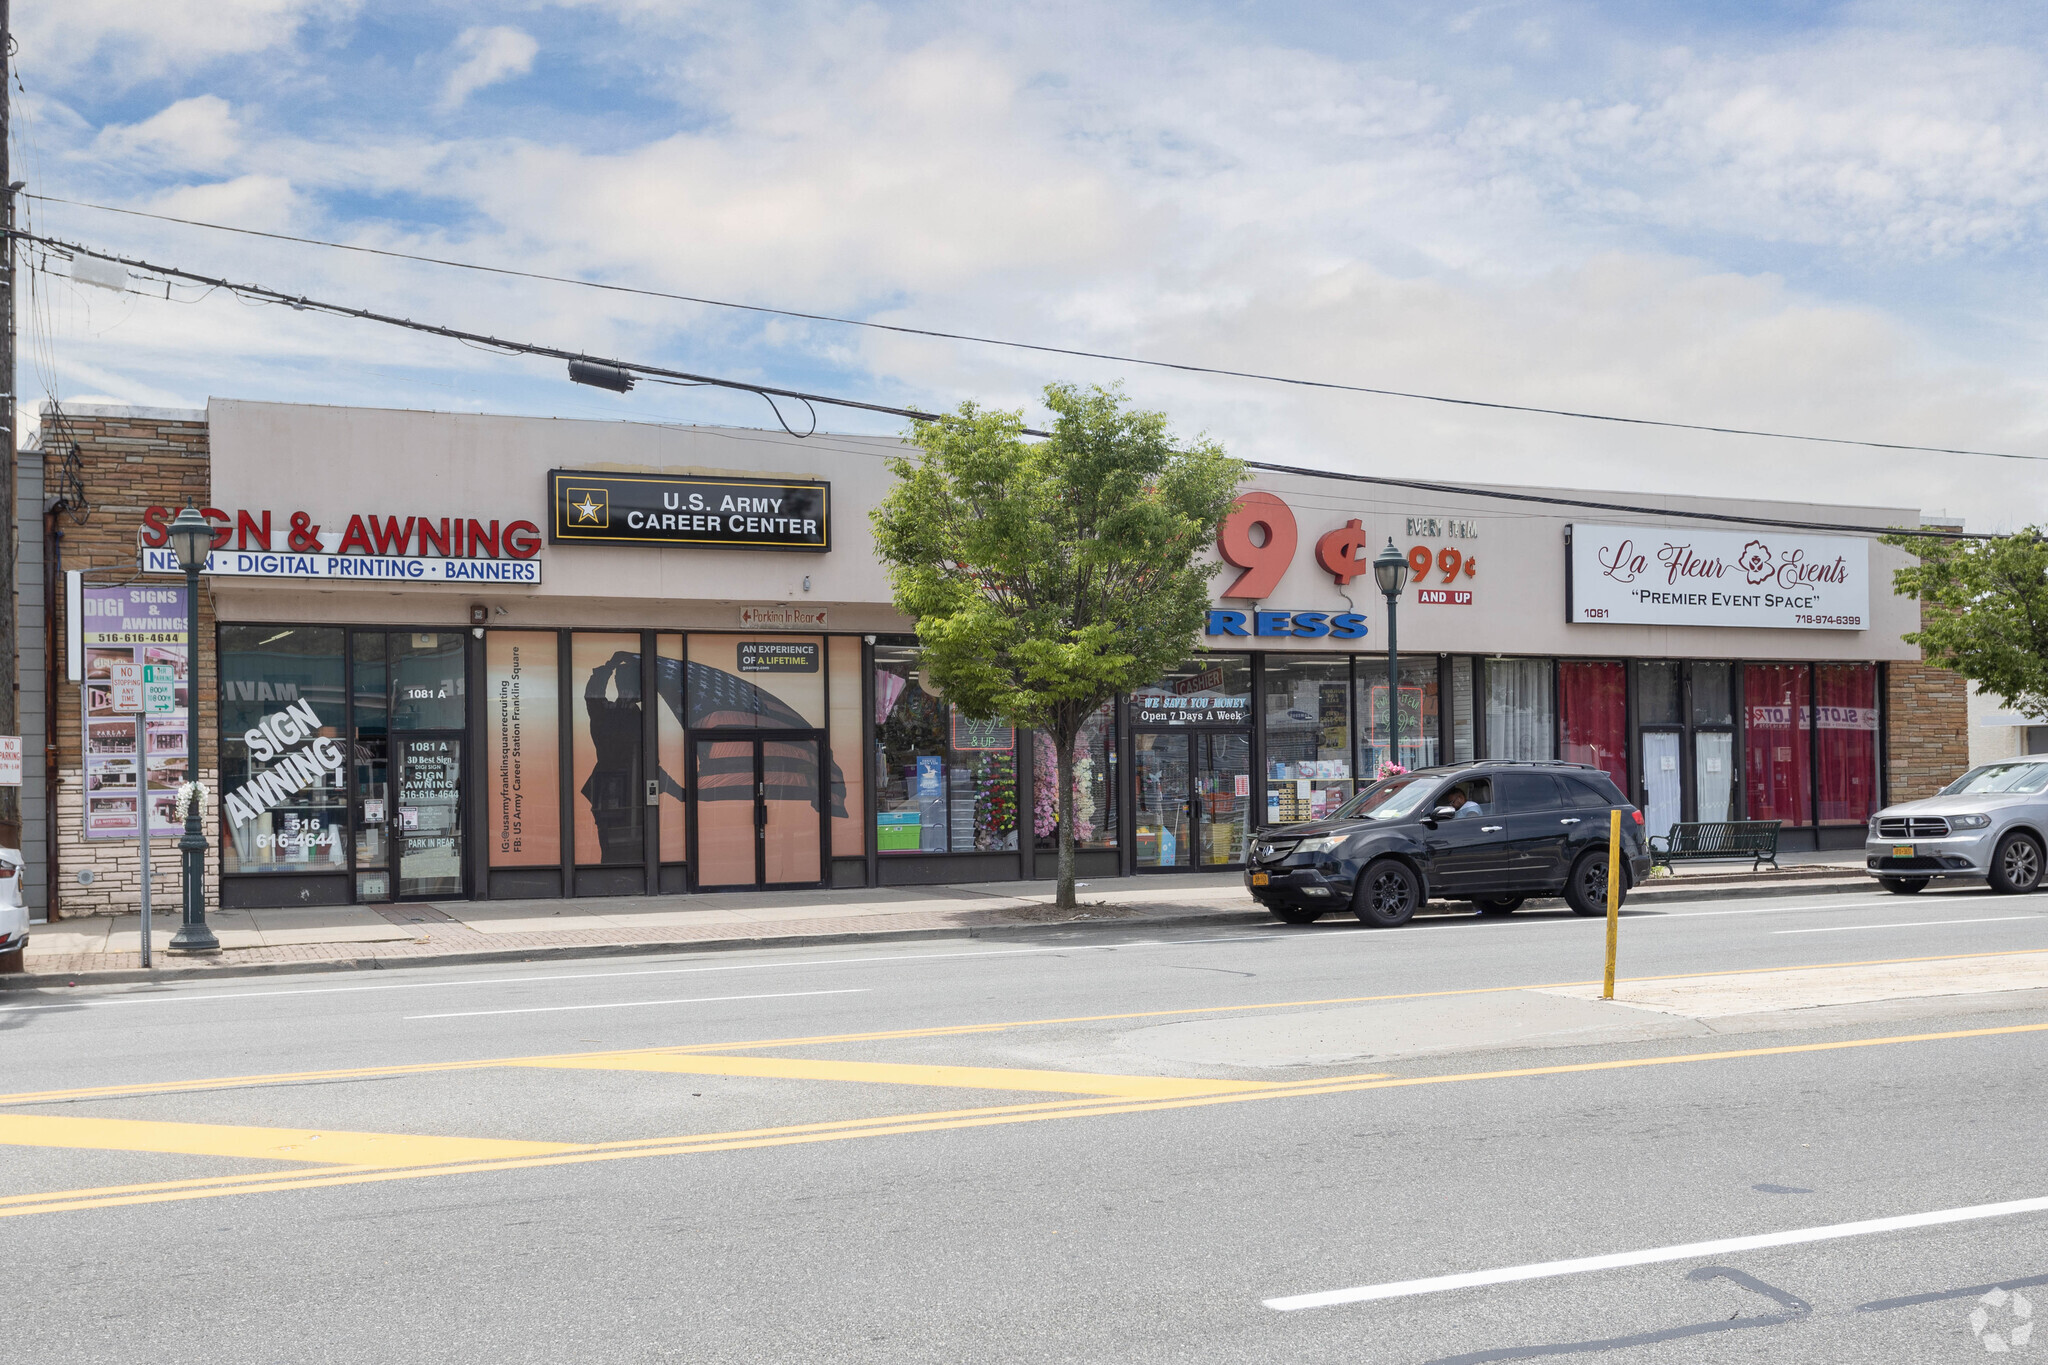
(1663, 787)
(1223, 798)
(1713, 774)
(427, 820)
(1161, 774)
(757, 815)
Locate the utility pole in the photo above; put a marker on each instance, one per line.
(10, 662)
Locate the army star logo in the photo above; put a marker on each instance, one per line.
(589, 507)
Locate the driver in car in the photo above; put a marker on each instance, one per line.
(1457, 800)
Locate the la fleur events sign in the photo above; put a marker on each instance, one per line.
(1660, 576)
(704, 510)
(415, 549)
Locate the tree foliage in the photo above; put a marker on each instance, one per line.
(1046, 576)
(1984, 611)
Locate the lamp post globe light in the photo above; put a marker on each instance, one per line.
(192, 540)
(1390, 571)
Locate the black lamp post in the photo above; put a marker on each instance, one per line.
(1390, 571)
(192, 541)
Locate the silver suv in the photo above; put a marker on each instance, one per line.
(1992, 822)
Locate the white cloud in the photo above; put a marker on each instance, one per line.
(196, 134)
(489, 55)
(146, 39)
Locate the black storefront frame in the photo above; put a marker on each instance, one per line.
(246, 890)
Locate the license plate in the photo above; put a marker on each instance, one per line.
(1260, 879)
(1902, 850)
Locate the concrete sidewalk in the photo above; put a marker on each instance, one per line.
(108, 948)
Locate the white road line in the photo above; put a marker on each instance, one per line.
(635, 1004)
(1438, 1284)
(1906, 924)
(174, 996)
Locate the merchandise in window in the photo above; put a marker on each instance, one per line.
(1420, 744)
(943, 783)
(1094, 786)
(1308, 737)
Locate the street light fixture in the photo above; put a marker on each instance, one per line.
(1390, 571)
(191, 537)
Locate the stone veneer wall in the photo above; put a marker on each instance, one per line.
(1929, 741)
(129, 458)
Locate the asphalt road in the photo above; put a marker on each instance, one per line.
(856, 1153)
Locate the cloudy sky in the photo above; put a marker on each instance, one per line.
(1814, 217)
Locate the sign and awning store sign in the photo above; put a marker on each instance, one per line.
(1665, 576)
(370, 547)
(713, 511)
(135, 699)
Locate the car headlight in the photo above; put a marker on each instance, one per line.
(1873, 827)
(1968, 821)
(1325, 844)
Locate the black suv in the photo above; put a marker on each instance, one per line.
(1493, 833)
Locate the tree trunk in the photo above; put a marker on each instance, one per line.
(1063, 759)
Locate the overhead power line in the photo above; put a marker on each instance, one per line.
(578, 359)
(1180, 366)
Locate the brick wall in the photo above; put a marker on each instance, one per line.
(1929, 740)
(128, 459)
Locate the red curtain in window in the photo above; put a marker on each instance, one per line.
(1593, 702)
(1777, 760)
(1847, 712)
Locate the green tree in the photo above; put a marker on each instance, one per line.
(1984, 611)
(1046, 576)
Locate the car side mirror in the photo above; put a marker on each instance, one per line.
(1444, 813)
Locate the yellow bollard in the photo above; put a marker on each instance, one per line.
(1613, 898)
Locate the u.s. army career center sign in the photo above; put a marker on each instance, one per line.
(660, 509)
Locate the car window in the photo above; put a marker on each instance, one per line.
(1390, 800)
(1469, 796)
(1581, 794)
(2000, 777)
(1521, 792)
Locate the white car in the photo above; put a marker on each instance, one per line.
(1990, 823)
(13, 909)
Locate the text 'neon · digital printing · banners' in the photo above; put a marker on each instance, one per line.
(705, 510)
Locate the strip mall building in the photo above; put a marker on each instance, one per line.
(491, 657)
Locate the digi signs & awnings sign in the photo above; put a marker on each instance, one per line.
(660, 509)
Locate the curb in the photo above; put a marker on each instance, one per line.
(1642, 899)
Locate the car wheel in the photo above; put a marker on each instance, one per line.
(1296, 914)
(1388, 894)
(1585, 891)
(1499, 905)
(2016, 865)
(1903, 886)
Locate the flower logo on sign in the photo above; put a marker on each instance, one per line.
(1755, 561)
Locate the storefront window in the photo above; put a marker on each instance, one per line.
(849, 817)
(1461, 709)
(1847, 712)
(1594, 709)
(522, 738)
(283, 761)
(1308, 737)
(1094, 786)
(668, 745)
(371, 680)
(1713, 756)
(1776, 761)
(606, 750)
(943, 783)
(1209, 689)
(1520, 719)
(1420, 741)
(757, 682)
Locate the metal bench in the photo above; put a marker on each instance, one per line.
(1695, 840)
